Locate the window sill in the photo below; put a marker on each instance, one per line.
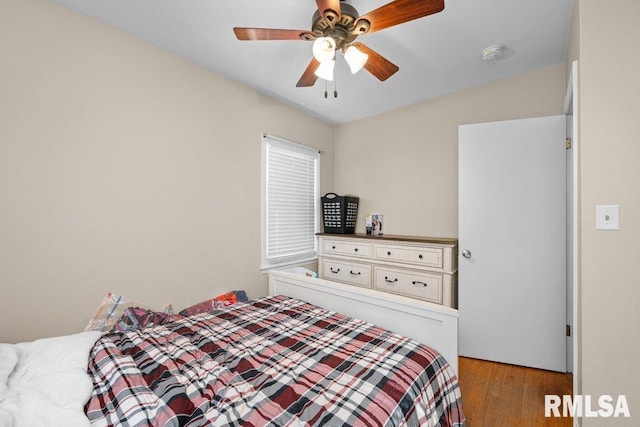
(300, 262)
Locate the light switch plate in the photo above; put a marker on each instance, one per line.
(607, 217)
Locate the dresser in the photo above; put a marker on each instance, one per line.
(417, 267)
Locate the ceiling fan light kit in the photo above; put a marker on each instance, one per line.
(324, 49)
(336, 25)
(355, 59)
(325, 70)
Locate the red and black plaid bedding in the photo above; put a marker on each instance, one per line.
(275, 361)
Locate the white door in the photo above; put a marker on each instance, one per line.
(512, 239)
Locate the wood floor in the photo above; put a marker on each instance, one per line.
(496, 394)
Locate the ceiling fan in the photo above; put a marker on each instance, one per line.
(336, 25)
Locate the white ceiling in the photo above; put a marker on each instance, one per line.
(437, 55)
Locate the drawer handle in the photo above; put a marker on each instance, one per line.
(334, 271)
(333, 247)
(355, 273)
(415, 282)
(389, 253)
(420, 256)
(356, 249)
(386, 279)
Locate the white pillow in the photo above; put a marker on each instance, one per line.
(45, 382)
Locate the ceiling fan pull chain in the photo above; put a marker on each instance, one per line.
(335, 90)
(325, 88)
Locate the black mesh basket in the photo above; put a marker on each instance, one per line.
(339, 213)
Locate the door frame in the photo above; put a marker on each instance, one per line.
(571, 108)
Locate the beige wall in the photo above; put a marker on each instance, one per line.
(404, 164)
(573, 45)
(125, 169)
(610, 174)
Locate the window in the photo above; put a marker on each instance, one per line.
(290, 192)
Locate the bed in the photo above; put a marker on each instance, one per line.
(280, 360)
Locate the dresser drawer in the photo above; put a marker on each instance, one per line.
(416, 284)
(349, 272)
(346, 248)
(418, 255)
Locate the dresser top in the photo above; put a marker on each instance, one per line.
(392, 237)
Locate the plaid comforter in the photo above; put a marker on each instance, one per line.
(276, 361)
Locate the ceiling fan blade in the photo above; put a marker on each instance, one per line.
(269, 34)
(400, 11)
(377, 64)
(308, 77)
(329, 10)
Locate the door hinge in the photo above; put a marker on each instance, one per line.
(568, 143)
(568, 330)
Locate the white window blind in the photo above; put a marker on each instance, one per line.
(289, 202)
